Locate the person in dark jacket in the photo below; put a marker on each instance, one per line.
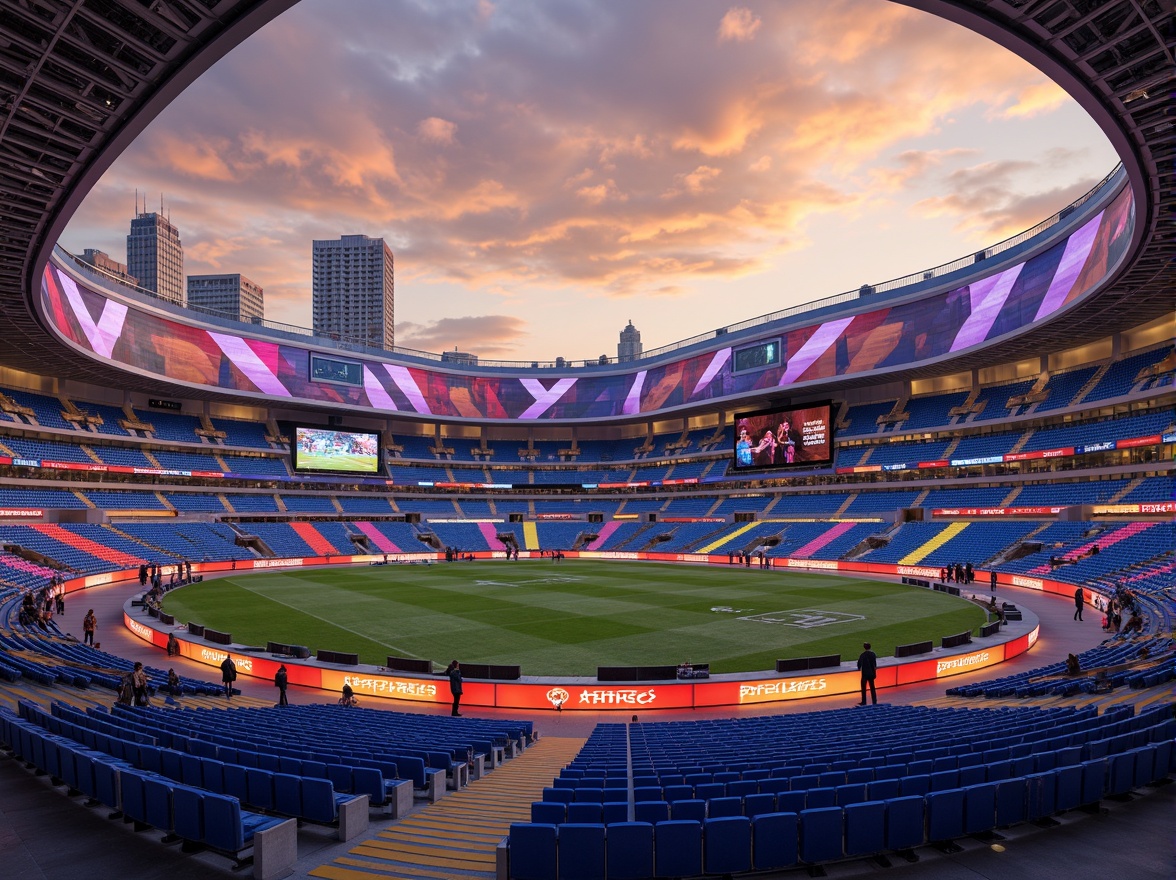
(228, 674)
(868, 664)
(281, 680)
(454, 673)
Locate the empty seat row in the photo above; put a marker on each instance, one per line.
(777, 840)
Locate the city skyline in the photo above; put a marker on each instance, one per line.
(543, 173)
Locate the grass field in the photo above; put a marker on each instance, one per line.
(568, 618)
(328, 462)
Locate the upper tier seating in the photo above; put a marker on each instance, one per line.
(996, 397)
(239, 433)
(1064, 387)
(1119, 379)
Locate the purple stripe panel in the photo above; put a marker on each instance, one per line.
(633, 401)
(721, 357)
(816, 346)
(105, 333)
(545, 398)
(988, 297)
(408, 386)
(1077, 250)
(377, 395)
(246, 360)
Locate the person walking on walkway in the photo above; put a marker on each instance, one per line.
(281, 680)
(1078, 604)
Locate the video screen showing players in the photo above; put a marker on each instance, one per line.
(328, 450)
(784, 437)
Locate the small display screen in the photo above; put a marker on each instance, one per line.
(327, 369)
(335, 451)
(756, 357)
(784, 437)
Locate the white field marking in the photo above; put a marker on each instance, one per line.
(553, 579)
(337, 625)
(805, 618)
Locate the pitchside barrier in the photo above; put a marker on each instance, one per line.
(546, 693)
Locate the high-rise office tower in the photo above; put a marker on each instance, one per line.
(354, 290)
(232, 295)
(629, 346)
(156, 257)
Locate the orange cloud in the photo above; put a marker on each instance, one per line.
(739, 24)
(437, 130)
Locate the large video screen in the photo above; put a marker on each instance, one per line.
(335, 451)
(784, 437)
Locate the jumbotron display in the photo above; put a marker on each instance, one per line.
(784, 437)
(319, 450)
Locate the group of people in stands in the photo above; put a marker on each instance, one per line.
(1123, 603)
(961, 574)
(38, 606)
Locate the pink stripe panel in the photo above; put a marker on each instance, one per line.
(378, 538)
(821, 540)
(604, 534)
(490, 533)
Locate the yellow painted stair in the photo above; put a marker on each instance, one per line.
(723, 540)
(530, 536)
(924, 550)
(455, 838)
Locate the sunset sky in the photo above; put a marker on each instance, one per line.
(546, 171)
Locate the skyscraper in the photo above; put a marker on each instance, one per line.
(629, 346)
(232, 295)
(354, 290)
(156, 257)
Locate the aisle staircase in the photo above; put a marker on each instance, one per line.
(116, 557)
(320, 545)
(457, 836)
(928, 547)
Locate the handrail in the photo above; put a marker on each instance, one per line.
(362, 346)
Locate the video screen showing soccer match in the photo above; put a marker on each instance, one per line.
(325, 449)
(784, 437)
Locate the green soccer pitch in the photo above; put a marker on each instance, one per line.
(322, 462)
(567, 618)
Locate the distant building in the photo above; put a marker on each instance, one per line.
(103, 262)
(231, 295)
(156, 257)
(629, 347)
(354, 290)
(459, 357)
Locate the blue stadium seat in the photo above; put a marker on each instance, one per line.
(533, 852)
(727, 845)
(821, 834)
(630, 851)
(775, 841)
(581, 851)
(905, 817)
(677, 847)
(651, 811)
(548, 813)
(865, 828)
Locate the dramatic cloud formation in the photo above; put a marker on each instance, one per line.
(540, 158)
(487, 335)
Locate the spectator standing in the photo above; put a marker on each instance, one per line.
(281, 680)
(89, 624)
(455, 685)
(228, 675)
(868, 665)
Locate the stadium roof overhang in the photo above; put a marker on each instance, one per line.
(78, 82)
